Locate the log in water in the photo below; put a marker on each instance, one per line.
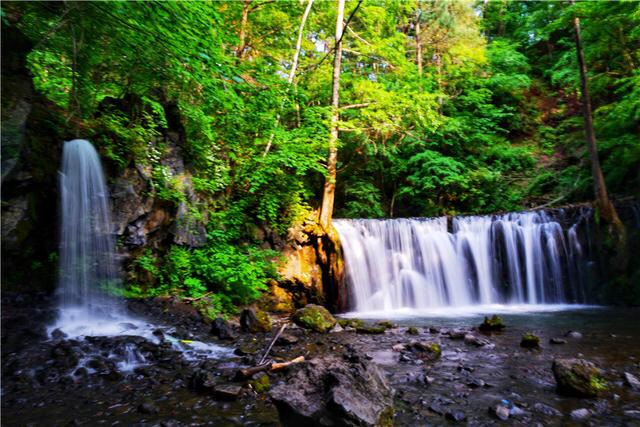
(517, 258)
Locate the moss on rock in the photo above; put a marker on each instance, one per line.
(578, 377)
(494, 323)
(314, 317)
(530, 340)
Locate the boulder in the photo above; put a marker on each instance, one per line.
(255, 320)
(530, 340)
(314, 317)
(578, 377)
(328, 390)
(492, 324)
(222, 329)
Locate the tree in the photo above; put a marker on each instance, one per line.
(603, 203)
(328, 196)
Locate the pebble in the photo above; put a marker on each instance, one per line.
(633, 414)
(580, 414)
(557, 341)
(500, 411)
(573, 334)
(632, 381)
(546, 410)
(456, 415)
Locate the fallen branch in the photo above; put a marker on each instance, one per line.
(246, 373)
(276, 367)
(275, 338)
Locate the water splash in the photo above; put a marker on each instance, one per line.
(516, 258)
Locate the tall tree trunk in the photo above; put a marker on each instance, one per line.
(296, 55)
(292, 72)
(418, 42)
(330, 180)
(242, 45)
(606, 209)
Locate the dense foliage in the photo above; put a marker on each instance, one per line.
(486, 119)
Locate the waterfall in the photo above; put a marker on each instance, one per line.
(88, 269)
(515, 258)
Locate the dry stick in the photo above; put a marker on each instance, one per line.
(266, 353)
(245, 373)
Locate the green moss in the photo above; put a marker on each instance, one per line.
(314, 317)
(371, 329)
(598, 384)
(351, 323)
(386, 323)
(530, 340)
(386, 417)
(412, 331)
(494, 323)
(261, 384)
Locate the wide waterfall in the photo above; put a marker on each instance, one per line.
(516, 258)
(88, 269)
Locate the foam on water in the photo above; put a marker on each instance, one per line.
(468, 311)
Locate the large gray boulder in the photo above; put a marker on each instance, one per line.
(332, 391)
(578, 377)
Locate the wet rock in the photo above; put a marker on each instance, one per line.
(475, 341)
(314, 317)
(65, 355)
(580, 414)
(203, 381)
(457, 334)
(546, 410)
(372, 329)
(255, 320)
(337, 328)
(287, 339)
(429, 350)
(57, 334)
(499, 411)
(456, 415)
(632, 414)
(412, 331)
(260, 383)
(577, 377)
(494, 323)
(148, 407)
(516, 412)
(222, 329)
(351, 323)
(557, 341)
(573, 334)
(476, 383)
(386, 323)
(530, 340)
(333, 391)
(632, 381)
(227, 391)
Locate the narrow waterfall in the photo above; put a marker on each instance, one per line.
(88, 269)
(516, 258)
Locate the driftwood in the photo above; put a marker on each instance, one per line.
(246, 373)
(277, 367)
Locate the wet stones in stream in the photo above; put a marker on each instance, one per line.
(332, 390)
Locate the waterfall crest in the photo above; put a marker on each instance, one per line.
(88, 269)
(516, 258)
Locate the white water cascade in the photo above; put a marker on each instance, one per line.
(516, 258)
(88, 269)
(89, 282)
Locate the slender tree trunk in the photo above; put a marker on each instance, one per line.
(418, 42)
(606, 209)
(292, 72)
(296, 55)
(243, 29)
(330, 180)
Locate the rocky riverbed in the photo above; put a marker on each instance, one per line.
(412, 371)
